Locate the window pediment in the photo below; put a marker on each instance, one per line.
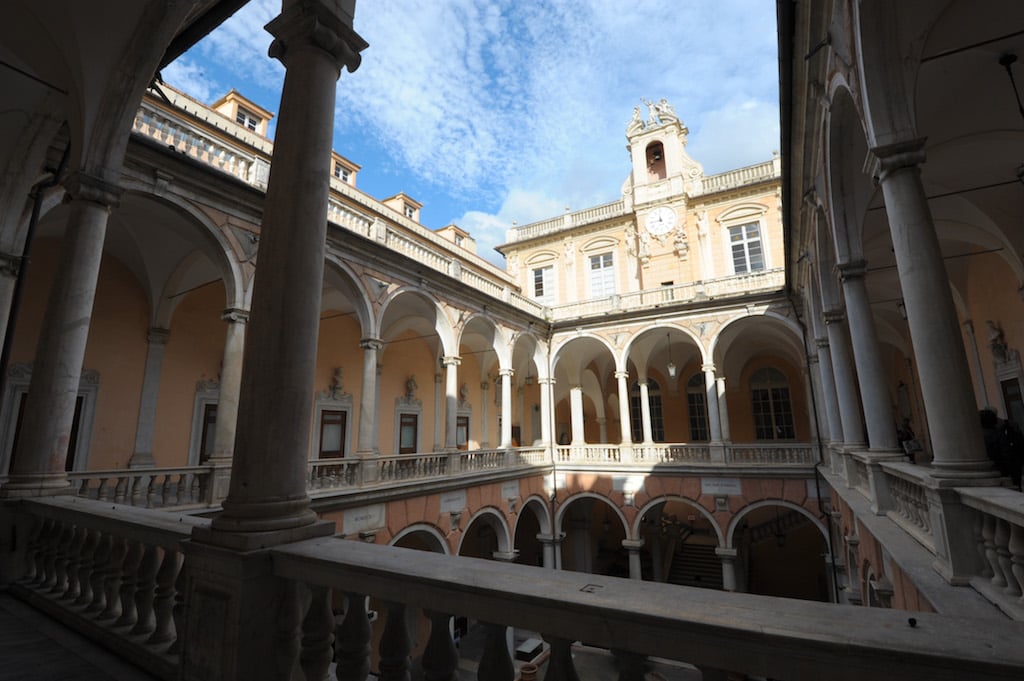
(747, 211)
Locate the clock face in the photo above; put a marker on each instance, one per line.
(660, 221)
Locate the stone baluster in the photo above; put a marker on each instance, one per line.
(129, 584)
(1016, 548)
(395, 646)
(72, 589)
(101, 562)
(495, 662)
(62, 558)
(178, 611)
(49, 565)
(560, 665)
(86, 567)
(121, 489)
(988, 533)
(440, 658)
(317, 635)
(287, 629)
(352, 647)
(163, 599)
(1002, 542)
(145, 591)
(33, 549)
(979, 541)
(112, 577)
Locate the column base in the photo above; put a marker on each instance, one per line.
(264, 517)
(255, 541)
(42, 485)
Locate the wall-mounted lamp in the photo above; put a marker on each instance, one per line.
(671, 367)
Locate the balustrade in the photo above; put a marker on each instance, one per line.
(147, 487)
(113, 572)
(999, 535)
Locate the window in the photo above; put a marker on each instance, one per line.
(773, 415)
(745, 242)
(333, 423)
(458, 239)
(462, 432)
(247, 119)
(410, 211)
(697, 408)
(341, 172)
(544, 285)
(408, 433)
(636, 414)
(206, 440)
(602, 275)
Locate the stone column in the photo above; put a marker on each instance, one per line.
(842, 371)
(521, 412)
(506, 408)
(624, 422)
(230, 384)
(142, 457)
(934, 330)
(485, 419)
(50, 408)
(366, 444)
(546, 416)
(633, 546)
(438, 410)
(828, 391)
(378, 372)
(10, 265)
(871, 372)
(451, 384)
(711, 391)
(981, 391)
(576, 411)
(728, 558)
(602, 423)
(313, 39)
(645, 412)
(551, 544)
(723, 409)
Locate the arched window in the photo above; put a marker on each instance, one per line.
(697, 407)
(773, 414)
(636, 413)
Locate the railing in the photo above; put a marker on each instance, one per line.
(146, 487)
(676, 453)
(738, 285)
(999, 536)
(334, 474)
(762, 172)
(771, 455)
(409, 466)
(909, 506)
(567, 221)
(111, 572)
(713, 630)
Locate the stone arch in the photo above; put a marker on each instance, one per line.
(566, 503)
(849, 188)
(635, 529)
(441, 324)
(656, 331)
(427, 533)
(494, 518)
(340, 274)
(739, 515)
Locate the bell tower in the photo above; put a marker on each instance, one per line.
(662, 170)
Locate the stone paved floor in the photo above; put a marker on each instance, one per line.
(35, 648)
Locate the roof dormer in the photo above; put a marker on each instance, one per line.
(406, 205)
(243, 112)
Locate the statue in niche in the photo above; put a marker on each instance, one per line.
(631, 241)
(335, 390)
(410, 388)
(463, 393)
(513, 266)
(645, 245)
(997, 342)
(680, 244)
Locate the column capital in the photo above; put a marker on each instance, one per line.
(10, 265)
(318, 23)
(235, 315)
(545, 381)
(507, 372)
(157, 336)
(708, 367)
(633, 544)
(835, 316)
(720, 379)
(622, 374)
(821, 343)
(726, 554)
(83, 187)
(900, 155)
(451, 361)
(855, 269)
(371, 343)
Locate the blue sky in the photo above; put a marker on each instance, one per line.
(489, 111)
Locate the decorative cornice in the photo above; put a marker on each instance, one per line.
(316, 23)
(893, 157)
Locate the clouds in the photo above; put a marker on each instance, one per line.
(494, 110)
